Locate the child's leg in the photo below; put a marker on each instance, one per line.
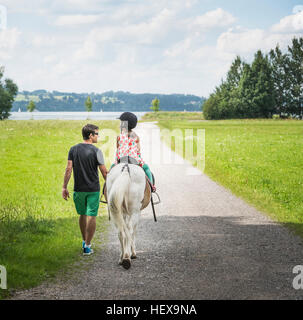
(148, 173)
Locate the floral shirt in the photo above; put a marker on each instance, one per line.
(128, 146)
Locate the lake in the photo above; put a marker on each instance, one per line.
(69, 115)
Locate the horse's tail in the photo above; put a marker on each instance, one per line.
(118, 204)
(118, 198)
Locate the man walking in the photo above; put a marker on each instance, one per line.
(84, 160)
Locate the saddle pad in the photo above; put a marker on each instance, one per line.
(147, 194)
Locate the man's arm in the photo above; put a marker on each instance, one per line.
(103, 170)
(68, 172)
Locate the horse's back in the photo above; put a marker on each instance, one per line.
(136, 187)
(136, 173)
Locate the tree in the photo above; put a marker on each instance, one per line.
(230, 101)
(281, 80)
(256, 89)
(235, 73)
(8, 91)
(210, 107)
(88, 104)
(31, 106)
(264, 88)
(155, 105)
(296, 74)
(271, 84)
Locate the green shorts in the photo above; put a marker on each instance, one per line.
(87, 203)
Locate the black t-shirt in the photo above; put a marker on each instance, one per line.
(86, 159)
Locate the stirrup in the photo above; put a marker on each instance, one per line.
(159, 200)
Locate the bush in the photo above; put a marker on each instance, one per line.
(276, 116)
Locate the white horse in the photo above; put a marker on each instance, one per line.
(125, 184)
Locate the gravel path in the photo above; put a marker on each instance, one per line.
(207, 244)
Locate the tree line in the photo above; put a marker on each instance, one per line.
(271, 85)
(42, 100)
(107, 101)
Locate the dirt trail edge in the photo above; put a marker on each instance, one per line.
(207, 244)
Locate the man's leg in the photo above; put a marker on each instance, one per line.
(79, 200)
(90, 229)
(83, 225)
(93, 201)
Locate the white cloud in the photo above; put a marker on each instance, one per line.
(54, 6)
(297, 8)
(152, 32)
(36, 6)
(214, 19)
(44, 41)
(292, 23)
(61, 68)
(78, 19)
(240, 41)
(87, 50)
(8, 41)
(179, 48)
(150, 46)
(50, 58)
(190, 3)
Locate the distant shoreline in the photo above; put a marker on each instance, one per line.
(68, 115)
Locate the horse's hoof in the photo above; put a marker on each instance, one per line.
(126, 263)
(134, 256)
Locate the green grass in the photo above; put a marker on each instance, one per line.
(172, 115)
(260, 161)
(39, 232)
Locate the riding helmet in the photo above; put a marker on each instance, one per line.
(130, 118)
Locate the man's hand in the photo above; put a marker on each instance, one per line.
(65, 193)
(68, 172)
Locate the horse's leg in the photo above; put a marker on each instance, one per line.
(126, 256)
(125, 252)
(128, 232)
(135, 221)
(119, 223)
(132, 244)
(121, 242)
(129, 224)
(123, 235)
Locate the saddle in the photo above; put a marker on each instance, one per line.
(148, 191)
(147, 194)
(128, 159)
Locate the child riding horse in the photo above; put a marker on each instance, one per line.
(128, 145)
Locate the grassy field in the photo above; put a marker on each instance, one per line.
(171, 115)
(260, 161)
(39, 233)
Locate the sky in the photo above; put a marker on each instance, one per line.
(140, 46)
